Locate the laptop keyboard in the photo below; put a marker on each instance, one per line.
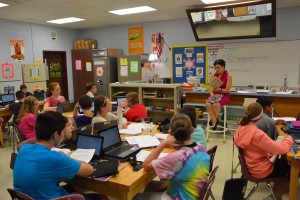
(296, 138)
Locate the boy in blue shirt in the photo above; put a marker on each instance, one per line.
(38, 170)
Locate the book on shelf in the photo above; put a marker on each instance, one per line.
(296, 151)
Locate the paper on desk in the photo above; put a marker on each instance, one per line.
(279, 140)
(143, 141)
(85, 155)
(161, 136)
(288, 92)
(143, 154)
(129, 131)
(287, 119)
(136, 126)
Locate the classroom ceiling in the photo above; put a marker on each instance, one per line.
(96, 11)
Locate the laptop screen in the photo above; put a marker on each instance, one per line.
(111, 137)
(90, 142)
(7, 98)
(120, 99)
(99, 126)
(81, 111)
(60, 107)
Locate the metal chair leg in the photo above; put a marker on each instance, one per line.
(212, 195)
(252, 191)
(271, 190)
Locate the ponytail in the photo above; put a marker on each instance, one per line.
(253, 113)
(245, 120)
(181, 127)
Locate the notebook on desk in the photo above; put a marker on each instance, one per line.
(113, 146)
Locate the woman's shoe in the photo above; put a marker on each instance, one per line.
(210, 122)
(215, 127)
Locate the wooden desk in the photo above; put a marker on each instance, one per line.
(284, 105)
(124, 185)
(294, 174)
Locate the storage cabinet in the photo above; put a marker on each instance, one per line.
(161, 100)
(81, 77)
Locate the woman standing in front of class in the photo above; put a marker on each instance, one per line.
(214, 106)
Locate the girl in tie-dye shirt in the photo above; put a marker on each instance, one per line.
(186, 169)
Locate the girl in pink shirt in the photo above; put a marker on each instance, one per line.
(27, 116)
(258, 147)
(53, 97)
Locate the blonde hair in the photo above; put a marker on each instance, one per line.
(50, 88)
(27, 107)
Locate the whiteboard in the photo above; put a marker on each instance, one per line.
(259, 62)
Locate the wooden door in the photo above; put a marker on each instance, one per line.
(57, 69)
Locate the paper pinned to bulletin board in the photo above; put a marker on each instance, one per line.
(134, 66)
(189, 60)
(78, 65)
(34, 72)
(7, 70)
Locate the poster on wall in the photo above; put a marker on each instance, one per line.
(134, 66)
(136, 40)
(17, 51)
(34, 72)
(55, 70)
(7, 70)
(99, 71)
(124, 71)
(88, 66)
(78, 65)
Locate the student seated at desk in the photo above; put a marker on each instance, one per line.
(198, 134)
(186, 169)
(91, 89)
(135, 110)
(27, 117)
(38, 170)
(23, 88)
(53, 97)
(258, 146)
(102, 112)
(16, 106)
(85, 103)
(267, 124)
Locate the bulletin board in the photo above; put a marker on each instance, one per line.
(189, 60)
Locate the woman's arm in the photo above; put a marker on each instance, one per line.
(48, 108)
(170, 141)
(228, 85)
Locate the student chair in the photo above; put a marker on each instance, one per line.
(146, 120)
(212, 152)
(28, 141)
(206, 192)
(223, 128)
(17, 132)
(70, 197)
(250, 178)
(16, 195)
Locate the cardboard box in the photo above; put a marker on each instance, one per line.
(90, 44)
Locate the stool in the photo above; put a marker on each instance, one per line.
(224, 129)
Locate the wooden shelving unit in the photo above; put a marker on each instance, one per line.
(159, 99)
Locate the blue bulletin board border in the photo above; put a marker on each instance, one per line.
(191, 60)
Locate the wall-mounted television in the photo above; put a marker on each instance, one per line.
(237, 20)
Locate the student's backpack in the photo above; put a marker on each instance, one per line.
(164, 126)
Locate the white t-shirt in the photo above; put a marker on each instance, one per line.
(90, 94)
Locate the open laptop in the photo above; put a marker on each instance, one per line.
(103, 125)
(113, 146)
(60, 107)
(119, 100)
(7, 99)
(90, 142)
(72, 143)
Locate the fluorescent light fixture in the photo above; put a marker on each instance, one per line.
(214, 1)
(129, 11)
(3, 4)
(66, 20)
